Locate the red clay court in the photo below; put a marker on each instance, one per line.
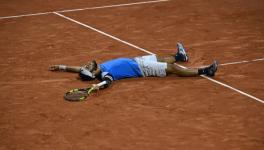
(225, 112)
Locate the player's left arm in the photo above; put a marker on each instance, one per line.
(106, 81)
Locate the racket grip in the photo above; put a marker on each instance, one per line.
(101, 83)
(90, 90)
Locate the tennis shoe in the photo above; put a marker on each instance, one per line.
(211, 70)
(181, 54)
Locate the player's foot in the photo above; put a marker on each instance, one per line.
(211, 70)
(181, 54)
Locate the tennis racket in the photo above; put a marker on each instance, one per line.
(80, 94)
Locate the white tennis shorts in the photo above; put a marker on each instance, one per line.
(149, 66)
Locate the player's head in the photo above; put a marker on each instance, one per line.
(88, 71)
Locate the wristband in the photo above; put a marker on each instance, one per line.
(62, 67)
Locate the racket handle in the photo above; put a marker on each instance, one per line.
(101, 83)
(93, 88)
(90, 90)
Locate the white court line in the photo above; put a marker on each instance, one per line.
(234, 89)
(110, 6)
(230, 87)
(240, 62)
(87, 8)
(237, 62)
(26, 15)
(144, 50)
(108, 35)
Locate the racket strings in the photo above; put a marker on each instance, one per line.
(80, 94)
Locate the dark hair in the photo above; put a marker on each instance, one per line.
(86, 72)
(94, 66)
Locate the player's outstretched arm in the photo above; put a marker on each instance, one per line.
(74, 69)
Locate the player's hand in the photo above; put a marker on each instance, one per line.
(54, 68)
(94, 87)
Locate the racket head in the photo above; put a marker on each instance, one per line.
(75, 95)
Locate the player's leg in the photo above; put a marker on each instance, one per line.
(181, 55)
(185, 72)
(190, 72)
(74, 69)
(166, 59)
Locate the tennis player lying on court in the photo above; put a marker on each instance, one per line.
(144, 66)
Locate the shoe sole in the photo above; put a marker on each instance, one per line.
(182, 51)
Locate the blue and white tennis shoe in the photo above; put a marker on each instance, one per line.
(181, 54)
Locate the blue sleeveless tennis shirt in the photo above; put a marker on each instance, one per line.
(121, 68)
